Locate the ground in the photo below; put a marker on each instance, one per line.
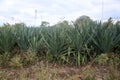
(50, 71)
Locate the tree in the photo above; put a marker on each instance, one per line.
(6, 25)
(19, 24)
(64, 23)
(118, 23)
(108, 23)
(44, 24)
(83, 20)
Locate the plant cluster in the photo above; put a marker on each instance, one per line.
(71, 44)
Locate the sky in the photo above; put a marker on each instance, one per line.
(32, 12)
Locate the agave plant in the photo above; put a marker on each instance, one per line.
(79, 38)
(7, 39)
(35, 39)
(106, 38)
(21, 36)
(56, 40)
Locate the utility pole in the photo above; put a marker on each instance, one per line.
(35, 18)
(12, 20)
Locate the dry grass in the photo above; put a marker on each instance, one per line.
(45, 71)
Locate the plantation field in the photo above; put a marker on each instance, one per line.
(73, 52)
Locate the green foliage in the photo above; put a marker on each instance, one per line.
(79, 37)
(22, 35)
(106, 38)
(67, 43)
(35, 39)
(55, 40)
(61, 43)
(82, 21)
(7, 39)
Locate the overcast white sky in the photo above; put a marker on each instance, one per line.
(12, 11)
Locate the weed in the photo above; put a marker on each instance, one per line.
(29, 58)
(15, 62)
(4, 59)
(102, 59)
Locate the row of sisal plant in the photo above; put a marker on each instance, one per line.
(73, 43)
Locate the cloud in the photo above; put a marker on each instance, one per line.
(54, 10)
